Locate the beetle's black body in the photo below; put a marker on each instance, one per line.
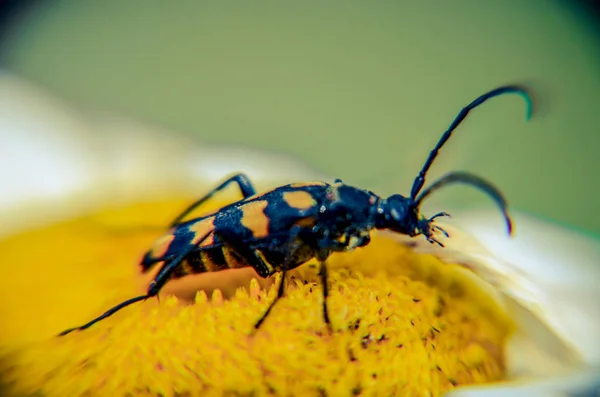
(285, 227)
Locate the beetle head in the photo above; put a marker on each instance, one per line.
(400, 214)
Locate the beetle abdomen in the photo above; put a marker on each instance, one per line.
(211, 260)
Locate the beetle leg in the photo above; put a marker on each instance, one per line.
(323, 274)
(167, 270)
(243, 182)
(251, 256)
(258, 264)
(292, 246)
(356, 238)
(153, 289)
(280, 292)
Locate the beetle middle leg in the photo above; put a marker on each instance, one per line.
(280, 289)
(298, 237)
(280, 292)
(291, 247)
(323, 274)
(251, 256)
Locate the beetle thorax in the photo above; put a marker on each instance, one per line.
(349, 208)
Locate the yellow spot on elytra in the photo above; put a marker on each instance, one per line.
(161, 246)
(292, 185)
(307, 184)
(202, 228)
(309, 221)
(255, 219)
(299, 199)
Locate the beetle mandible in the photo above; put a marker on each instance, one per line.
(285, 227)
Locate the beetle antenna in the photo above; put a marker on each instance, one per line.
(475, 181)
(420, 179)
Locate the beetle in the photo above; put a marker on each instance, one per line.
(285, 227)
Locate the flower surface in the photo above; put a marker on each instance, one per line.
(404, 323)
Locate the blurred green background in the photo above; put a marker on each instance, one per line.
(358, 90)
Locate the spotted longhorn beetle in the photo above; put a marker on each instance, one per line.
(287, 226)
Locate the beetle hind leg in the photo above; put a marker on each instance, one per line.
(246, 189)
(161, 278)
(108, 313)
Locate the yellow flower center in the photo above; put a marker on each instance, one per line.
(404, 324)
